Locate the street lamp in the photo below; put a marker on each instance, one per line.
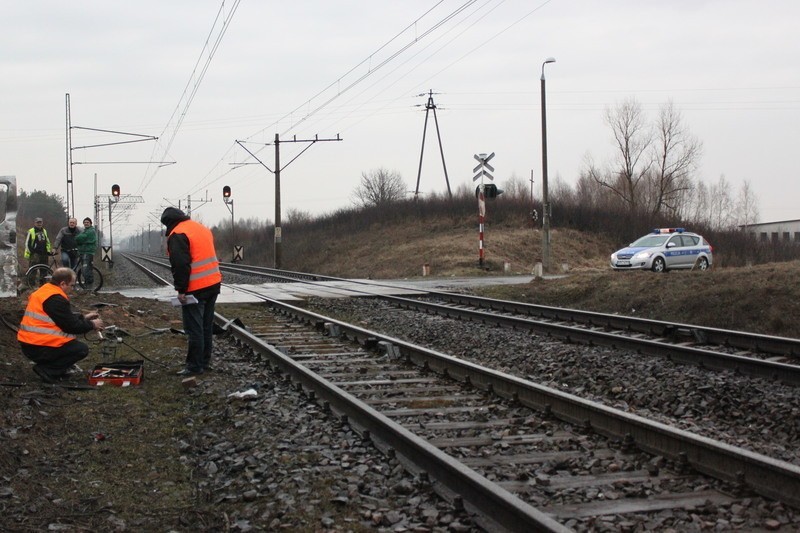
(226, 197)
(545, 197)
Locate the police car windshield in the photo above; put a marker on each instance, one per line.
(649, 241)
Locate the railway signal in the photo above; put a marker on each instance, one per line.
(226, 197)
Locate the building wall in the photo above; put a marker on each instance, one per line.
(783, 231)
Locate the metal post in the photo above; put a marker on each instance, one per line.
(481, 216)
(533, 209)
(430, 105)
(277, 203)
(97, 210)
(545, 196)
(110, 233)
(229, 203)
(70, 196)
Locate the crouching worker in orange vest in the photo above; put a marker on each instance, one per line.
(49, 326)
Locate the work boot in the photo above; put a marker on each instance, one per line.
(44, 375)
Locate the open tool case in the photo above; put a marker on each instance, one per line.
(118, 373)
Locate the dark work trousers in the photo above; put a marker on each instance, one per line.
(198, 323)
(69, 258)
(86, 268)
(55, 361)
(38, 259)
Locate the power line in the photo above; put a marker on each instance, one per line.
(226, 20)
(371, 70)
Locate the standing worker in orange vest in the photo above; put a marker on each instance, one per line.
(195, 273)
(48, 328)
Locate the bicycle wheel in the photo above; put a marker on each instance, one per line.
(38, 275)
(97, 280)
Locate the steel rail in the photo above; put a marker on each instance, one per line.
(149, 273)
(742, 340)
(476, 492)
(710, 359)
(769, 477)
(786, 373)
(736, 339)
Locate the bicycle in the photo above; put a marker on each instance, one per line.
(38, 275)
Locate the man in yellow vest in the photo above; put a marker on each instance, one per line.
(48, 328)
(196, 276)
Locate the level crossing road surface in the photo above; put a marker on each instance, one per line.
(289, 292)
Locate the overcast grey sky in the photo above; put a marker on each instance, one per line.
(355, 68)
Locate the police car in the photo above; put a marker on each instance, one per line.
(664, 249)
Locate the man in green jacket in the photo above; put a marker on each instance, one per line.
(87, 245)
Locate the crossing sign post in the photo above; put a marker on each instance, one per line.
(482, 170)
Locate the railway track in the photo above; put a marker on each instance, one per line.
(511, 450)
(754, 354)
(565, 457)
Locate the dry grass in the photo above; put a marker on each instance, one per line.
(390, 252)
(763, 299)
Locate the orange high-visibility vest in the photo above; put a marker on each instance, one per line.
(204, 271)
(37, 327)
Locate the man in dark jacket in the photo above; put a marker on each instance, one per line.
(48, 328)
(66, 241)
(196, 276)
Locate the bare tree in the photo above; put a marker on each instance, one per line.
(632, 138)
(561, 193)
(695, 208)
(516, 188)
(720, 205)
(297, 216)
(590, 193)
(746, 206)
(675, 155)
(652, 170)
(379, 187)
(463, 190)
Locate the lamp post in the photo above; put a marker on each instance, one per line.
(226, 197)
(545, 197)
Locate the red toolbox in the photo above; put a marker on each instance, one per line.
(118, 373)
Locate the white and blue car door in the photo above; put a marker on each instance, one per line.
(693, 250)
(673, 252)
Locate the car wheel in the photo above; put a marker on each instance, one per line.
(659, 265)
(702, 263)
